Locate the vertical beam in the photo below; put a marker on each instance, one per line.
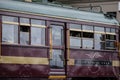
(0, 35)
(50, 39)
(68, 42)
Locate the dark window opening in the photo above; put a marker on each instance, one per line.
(24, 28)
(88, 35)
(75, 33)
(110, 37)
(112, 14)
(24, 34)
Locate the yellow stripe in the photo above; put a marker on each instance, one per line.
(71, 62)
(57, 77)
(25, 24)
(110, 33)
(23, 60)
(7, 22)
(75, 29)
(116, 63)
(99, 32)
(35, 25)
(56, 17)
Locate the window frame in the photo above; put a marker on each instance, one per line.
(10, 23)
(95, 32)
(18, 23)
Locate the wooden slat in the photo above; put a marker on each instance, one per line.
(68, 44)
(50, 43)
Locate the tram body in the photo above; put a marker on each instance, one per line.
(42, 42)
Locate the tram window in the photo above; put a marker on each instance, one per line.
(24, 20)
(107, 29)
(99, 41)
(9, 19)
(99, 45)
(110, 45)
(9, 33)
(100, 37)
(75, 26)
(37, 22)
(113, 30)
(87, 43)
(110, 37)
(37, 36)
(37, 32)
(99, 29)
(110, 30)
(75, 33)
(57, 59)
(88, 35)
(75, 40)
(87, 27)
(57, 35)
(24, 34)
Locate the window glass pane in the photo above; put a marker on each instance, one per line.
(75, 33)
(87, 43)
(99, 41)
(57, 35)
(24, 20)
(88, 35)
(9, 18)
(87, 27)
(100, 29)
(75, 41)
(110, 44)
(100, 37)
(75, 26)
(38, 36)
(9, 33)
(24, 34)
(107, 29)
(113, 30)
(57, 59)
(37, 22)
(99, 45)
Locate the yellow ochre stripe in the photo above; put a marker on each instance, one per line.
(23, 60)
(57, 77)
(71, 62)
(115, 63)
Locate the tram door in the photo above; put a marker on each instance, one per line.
(57, 46)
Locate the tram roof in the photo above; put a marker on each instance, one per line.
(56, 11)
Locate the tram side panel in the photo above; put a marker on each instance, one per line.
(23, 61)
(93, 64)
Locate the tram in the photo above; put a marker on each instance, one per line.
(52, 42)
